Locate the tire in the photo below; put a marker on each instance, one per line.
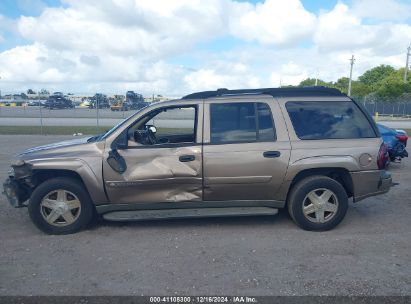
(320, 214)
(45, 203)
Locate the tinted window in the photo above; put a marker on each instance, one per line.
(237, 122)
(265, 123)
(328, 120)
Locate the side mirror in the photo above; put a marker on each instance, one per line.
(116, 162)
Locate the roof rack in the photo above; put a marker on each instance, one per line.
(275, 92)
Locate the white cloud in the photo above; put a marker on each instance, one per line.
(341, 30)
(129, 28)
(238, 76)
(382, 9)
(274, 22)
(113, 46)
(289, 73)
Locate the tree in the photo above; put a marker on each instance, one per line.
(342, 84)
(392, 87)
(360, 90)
(382, 83)
(375, 75)
(30, 91)
(310, 82)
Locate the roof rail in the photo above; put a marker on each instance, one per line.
(275, 92)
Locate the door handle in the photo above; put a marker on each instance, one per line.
(186, 158)
(271, 154)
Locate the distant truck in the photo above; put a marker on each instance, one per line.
(119, 104)
(135, 100)
(58, 101)
(99, 100)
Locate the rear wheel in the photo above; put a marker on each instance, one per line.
(61, 206)
(318, 203)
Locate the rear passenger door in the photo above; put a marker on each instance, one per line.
(246, 149)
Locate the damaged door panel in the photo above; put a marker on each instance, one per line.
(156, 175)
(159, 172)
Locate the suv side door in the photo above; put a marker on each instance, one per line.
(246, 149)
(169, 170)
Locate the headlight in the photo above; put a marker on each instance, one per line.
(21, 169)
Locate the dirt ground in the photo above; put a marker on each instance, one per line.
(369, 253)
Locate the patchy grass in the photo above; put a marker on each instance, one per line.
(53, 130)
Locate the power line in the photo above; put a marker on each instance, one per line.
(352, 60)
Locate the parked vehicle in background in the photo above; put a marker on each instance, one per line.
(120, 105)
(135, 100)
(35, 103)
(99, 100)
(396, 141)
(214, 153)
(58, 101)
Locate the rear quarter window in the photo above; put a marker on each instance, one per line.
(328, 120)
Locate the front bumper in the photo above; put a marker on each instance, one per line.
(14, 193)
(370, 183)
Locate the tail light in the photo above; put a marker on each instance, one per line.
(382, 157)
(402, 137)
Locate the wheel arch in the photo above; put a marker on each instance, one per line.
(341, 175)
(76, 169)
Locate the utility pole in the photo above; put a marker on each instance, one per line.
(316, 78)
(406, 64)
(352, 60)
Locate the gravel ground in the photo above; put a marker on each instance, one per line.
(369, 253)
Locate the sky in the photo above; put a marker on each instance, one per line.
(175, 47)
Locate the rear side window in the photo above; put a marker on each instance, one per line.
(328, 120)
(241, 122)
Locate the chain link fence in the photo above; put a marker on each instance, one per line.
(390, 109)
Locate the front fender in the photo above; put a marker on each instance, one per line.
(92, 180)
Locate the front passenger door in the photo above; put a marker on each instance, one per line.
(165, 169)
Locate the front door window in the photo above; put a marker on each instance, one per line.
(174, 125)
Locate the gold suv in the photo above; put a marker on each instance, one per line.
(213, 153)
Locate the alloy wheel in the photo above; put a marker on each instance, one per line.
(60, 207)
(320, 205)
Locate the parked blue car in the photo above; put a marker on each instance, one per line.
(395, 140)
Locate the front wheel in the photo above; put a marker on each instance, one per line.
(318, 203)
(60, 206)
